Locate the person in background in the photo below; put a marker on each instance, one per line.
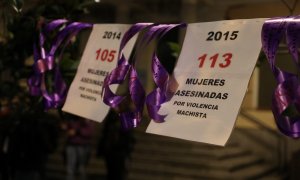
(116, 145)
(79, 132)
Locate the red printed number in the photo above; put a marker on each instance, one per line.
(105, 55)
(225, 60)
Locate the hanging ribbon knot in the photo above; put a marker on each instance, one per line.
(166, 84)
(286, 96)
(44, 61)
(131, 119)
(43, 65)
(117, 76)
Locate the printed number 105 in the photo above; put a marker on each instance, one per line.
(105, 55)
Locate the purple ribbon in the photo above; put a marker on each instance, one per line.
(163, 92)
(129, 119)
(44, 62)
(166, 84)
(286, 96)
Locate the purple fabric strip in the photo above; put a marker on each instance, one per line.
(166, 85)
(45, 62)
(67, 33)
(286, 94)
(41, 63)
(129, 119)
(133, 30)
(54, 25)
(117, 76)
(57, 97)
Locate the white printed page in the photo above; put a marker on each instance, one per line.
(213, 72)
(99, 58)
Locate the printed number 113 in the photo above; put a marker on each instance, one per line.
(225, 60)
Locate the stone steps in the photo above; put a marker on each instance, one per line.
(172, 172)
(166, 149)
(232, 164)
(159, 157)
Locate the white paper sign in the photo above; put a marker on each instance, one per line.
(213, 72)
(99, 58)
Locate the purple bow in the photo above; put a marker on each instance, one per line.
(44, 62)
(161, 94)
(166, 84)
(129, 119)
(286, 96)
